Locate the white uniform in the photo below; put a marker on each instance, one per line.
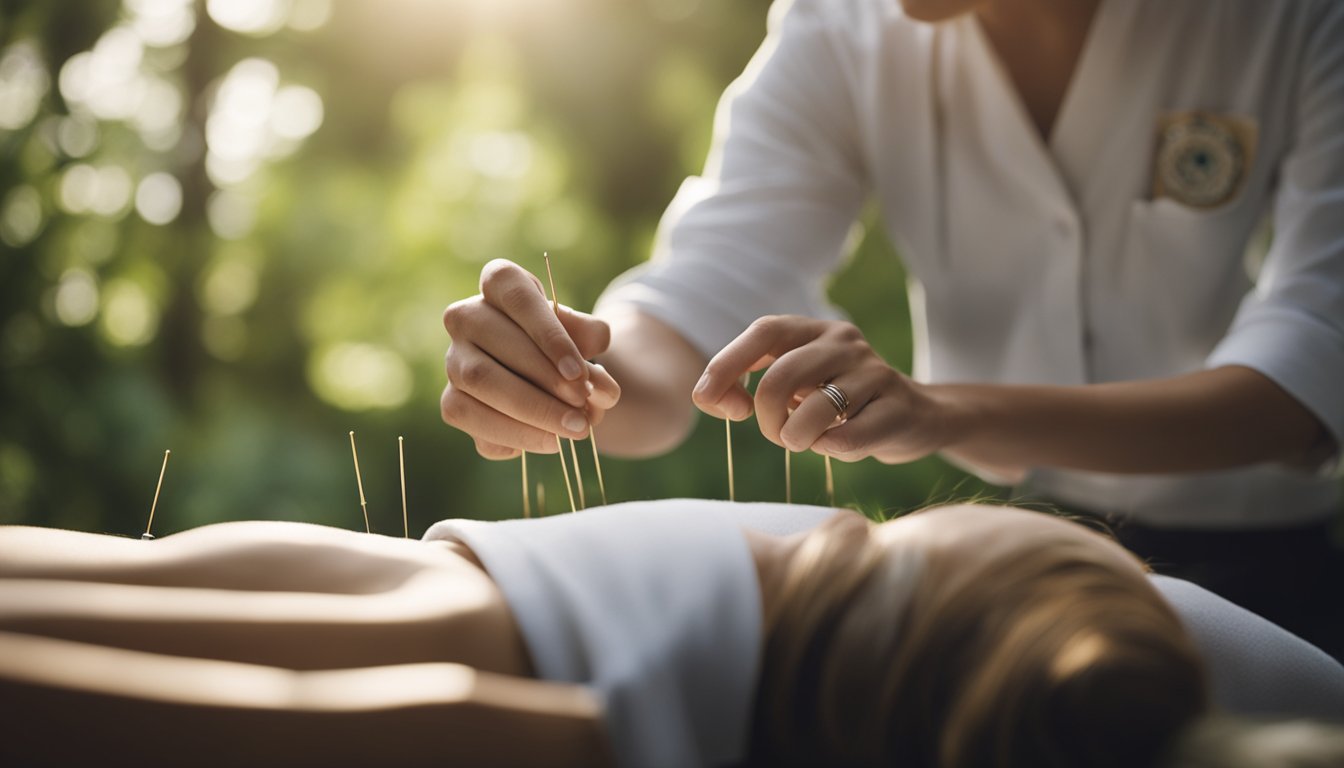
(1034, 262)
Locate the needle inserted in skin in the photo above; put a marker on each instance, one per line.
(363, 505)
(146, 536)
(401, 459)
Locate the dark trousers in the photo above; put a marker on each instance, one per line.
(1292, 576)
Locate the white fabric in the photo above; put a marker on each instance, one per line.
(1035, 262)
(656, 607)
(1256, 668)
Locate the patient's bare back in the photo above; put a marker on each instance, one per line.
(293, 595)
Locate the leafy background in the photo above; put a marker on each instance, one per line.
(229, 228)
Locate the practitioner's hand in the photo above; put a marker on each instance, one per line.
(517, 375)
(889, 416)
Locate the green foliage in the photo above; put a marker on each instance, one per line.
(234, 237)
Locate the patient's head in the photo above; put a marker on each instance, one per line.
(970, 636)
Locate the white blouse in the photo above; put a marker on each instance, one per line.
(1042, 262)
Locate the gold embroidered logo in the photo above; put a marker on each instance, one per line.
(1202, 158)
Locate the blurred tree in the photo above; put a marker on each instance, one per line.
(229, 228)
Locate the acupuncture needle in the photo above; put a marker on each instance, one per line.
(147, 536)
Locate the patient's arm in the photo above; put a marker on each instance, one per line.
(77, 704)
(285, 595)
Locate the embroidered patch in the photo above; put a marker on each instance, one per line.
(1202, 158)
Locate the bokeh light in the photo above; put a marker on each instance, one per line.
(76, 297)
(229, 287)
(249, 17)
(21, 216)
(23, 83)
(129, 317)
(158, 198)
(162, 23)
(359, 377)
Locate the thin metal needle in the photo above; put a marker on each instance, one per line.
(578, 476)
(788, 477)
(728, 442)
(527, 502)
(363, 505)
(597, 465)
(401, 458)
(146, 536)
(560, 446)
(830, 483)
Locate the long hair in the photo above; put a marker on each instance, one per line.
(1042, 655)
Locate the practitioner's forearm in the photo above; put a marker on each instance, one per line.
(1207, 420)
(656, 369)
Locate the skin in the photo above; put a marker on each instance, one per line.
(327, 646)
(648, 380)
(289, 595)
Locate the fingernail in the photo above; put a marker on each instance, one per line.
(701, 384)
(574, 422)
(570, 368)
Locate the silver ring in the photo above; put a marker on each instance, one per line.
(839, 400)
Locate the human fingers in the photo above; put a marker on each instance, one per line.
(477, 374)
(792, 379)
(818, 413)
(899, 424)
(495, 451)
(591, 335)
(484, 327)
(483, 423)
(859, 438)
(604, 392)
(718, 391)
(518, 294)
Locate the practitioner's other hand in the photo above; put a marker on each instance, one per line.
(517, 374)
(889, 417)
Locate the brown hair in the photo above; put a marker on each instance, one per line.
(1041, 655)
